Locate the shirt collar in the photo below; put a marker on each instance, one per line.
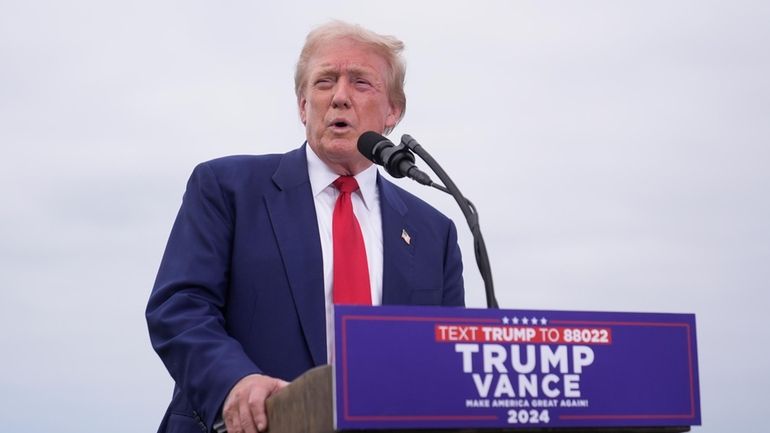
(322, 177)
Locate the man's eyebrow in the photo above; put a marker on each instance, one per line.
(353, 69)
(326, 69)
(359, 70)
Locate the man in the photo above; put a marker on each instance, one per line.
(263, 246)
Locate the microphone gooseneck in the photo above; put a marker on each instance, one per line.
(470, 213)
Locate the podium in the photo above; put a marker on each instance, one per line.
(306, 405)
(436, 369)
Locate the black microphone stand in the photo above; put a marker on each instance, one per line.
(468, 209)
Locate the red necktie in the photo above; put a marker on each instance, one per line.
(351, 272)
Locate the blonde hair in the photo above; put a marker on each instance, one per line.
(389, 47)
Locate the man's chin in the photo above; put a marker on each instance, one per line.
(341, 145)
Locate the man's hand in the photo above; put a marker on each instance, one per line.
(244, 409)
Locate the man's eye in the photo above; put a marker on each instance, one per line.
(362, 83)
(324, 82)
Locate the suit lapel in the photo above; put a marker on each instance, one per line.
(292, 215)
(398, 254)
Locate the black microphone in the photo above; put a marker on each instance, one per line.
(397, 160)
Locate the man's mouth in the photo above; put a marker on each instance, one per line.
(338, 124)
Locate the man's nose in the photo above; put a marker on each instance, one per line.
(341, 98)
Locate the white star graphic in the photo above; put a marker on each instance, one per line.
(533, 320)
(525, 321)
(505, 320)
(543, 321)
(515, 320)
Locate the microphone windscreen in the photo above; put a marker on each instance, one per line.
(366, 143)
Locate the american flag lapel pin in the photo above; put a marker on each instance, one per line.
(405, 236)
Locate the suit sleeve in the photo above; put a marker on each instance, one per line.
(185, 310)
(454, 294)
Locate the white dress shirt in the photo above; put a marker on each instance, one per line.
(366, 207)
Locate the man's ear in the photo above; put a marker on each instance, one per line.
(392, 118)
(302, 112)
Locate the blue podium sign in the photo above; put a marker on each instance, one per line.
(434, 367)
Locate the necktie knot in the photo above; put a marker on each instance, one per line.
(346, 184)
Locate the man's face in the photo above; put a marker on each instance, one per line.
(344, 96)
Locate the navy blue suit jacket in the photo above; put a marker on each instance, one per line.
(240, 289)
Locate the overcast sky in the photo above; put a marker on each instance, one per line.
(617, 151)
